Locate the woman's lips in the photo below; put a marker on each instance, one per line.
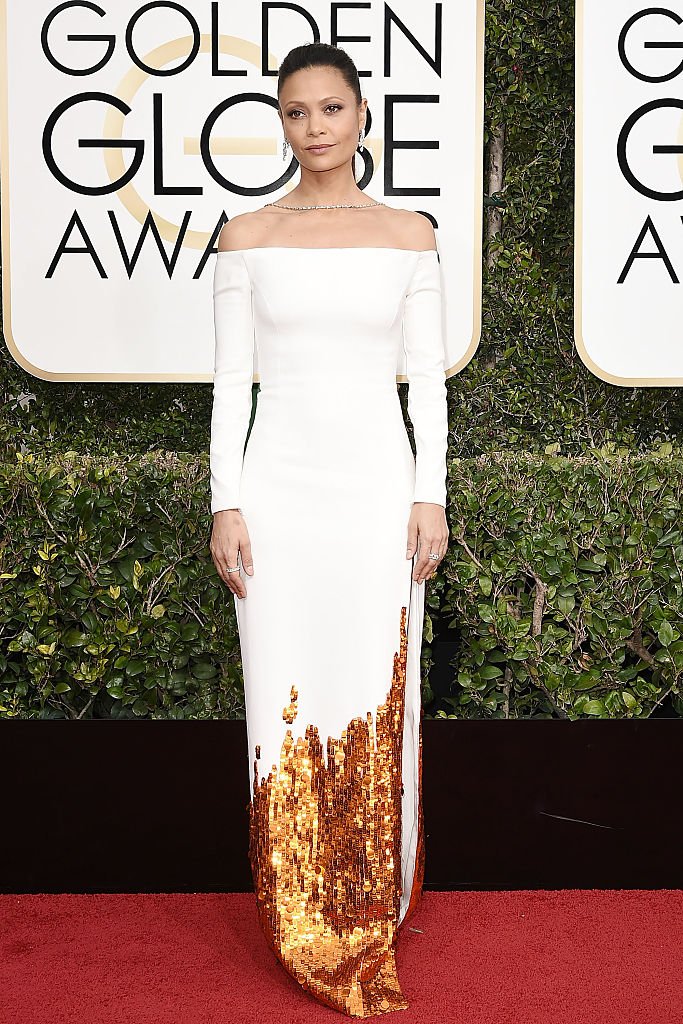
(318, 149)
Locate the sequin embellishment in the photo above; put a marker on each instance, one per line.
(325, 852)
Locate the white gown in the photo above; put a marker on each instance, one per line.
(331, 627)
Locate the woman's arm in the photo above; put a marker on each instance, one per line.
(425, 369)
(233, 377)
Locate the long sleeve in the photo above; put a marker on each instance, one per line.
(425, 369)
(233, 376)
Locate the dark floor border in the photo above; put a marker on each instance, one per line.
(106, 806)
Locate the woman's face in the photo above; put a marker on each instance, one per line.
(318, 108)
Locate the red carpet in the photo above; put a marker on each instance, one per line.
(565, 957)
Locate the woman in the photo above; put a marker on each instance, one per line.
(337, 527)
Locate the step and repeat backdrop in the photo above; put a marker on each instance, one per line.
(130, 133)
(629, 191)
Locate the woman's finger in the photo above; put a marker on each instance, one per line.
(423, 559)
(234, 579)
(229, 547)
(247, 561)
(426, 566)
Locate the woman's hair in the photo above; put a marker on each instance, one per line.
(320, 55)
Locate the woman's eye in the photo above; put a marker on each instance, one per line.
(337, 106)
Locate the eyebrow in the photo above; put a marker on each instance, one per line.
(302, 104)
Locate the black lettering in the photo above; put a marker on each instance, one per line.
(667, 76)
(661, 253)
(92, 190)
(631, 121)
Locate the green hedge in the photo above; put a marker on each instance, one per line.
(563, 579)
(110, 604)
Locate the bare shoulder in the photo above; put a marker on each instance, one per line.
(414, 230)
(242, 231)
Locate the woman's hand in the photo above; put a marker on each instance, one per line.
(229, 536)
(427, 528)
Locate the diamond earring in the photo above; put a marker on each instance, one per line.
(361, 136)
(285, 144)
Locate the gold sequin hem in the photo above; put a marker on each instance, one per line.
(325, 853)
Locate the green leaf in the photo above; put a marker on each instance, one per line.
(666, 633)
(594, 707)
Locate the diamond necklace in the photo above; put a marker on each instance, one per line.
(328, 206)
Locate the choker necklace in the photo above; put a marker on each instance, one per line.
(328, 206)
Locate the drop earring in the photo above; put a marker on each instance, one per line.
(285, 144)
(361, 136)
